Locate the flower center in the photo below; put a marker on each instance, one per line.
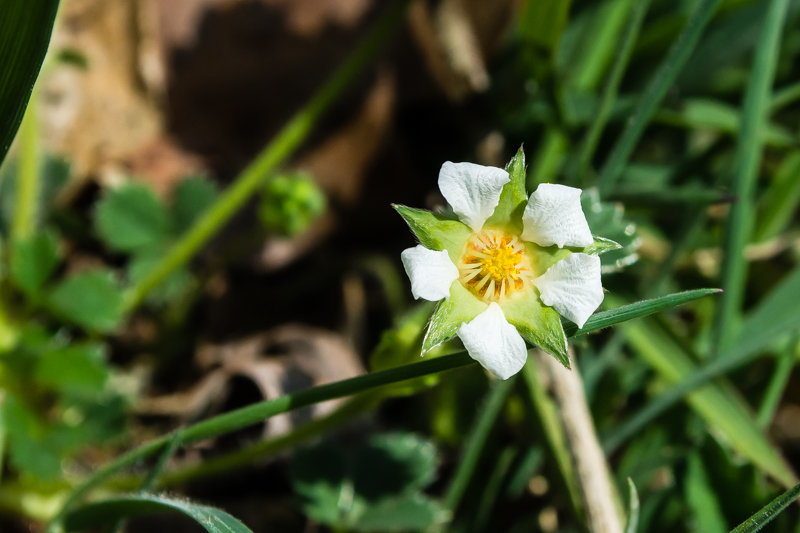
(494, 265)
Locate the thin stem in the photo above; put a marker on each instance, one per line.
(746, 163)
(275, 153)
(27, 193)
(258, 412)
(492, 488)
(777, 385)
(150, 481)
(611, 89)
(547, 412)
(654, 93)
(475, 442)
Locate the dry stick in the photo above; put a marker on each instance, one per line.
(599, 493)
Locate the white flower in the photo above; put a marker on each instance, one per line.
(505, 267)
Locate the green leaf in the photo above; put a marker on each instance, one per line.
(77, 368)
(318, 476)
(513, 198)
(601, 245)
(633, 508)
(291, 203)
(538, 324)
(25, 29)
(409, 513)
(192, 197)
(770, 511)
(29, 450)
(33, 260)
(450, 314)
(608, 219)
(780, 201)
(109, 511)
(654, 93)
(706, 114)
(746, 166)
(393, 464)
(435, 231)
(90, 299)
(542, 21)
(130, 218)
(702, 499)
(719, 406)
(627, 312)
(402, 345)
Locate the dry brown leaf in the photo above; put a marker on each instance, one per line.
(309, 17)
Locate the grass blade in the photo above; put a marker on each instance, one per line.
(656, 90)
(611, 88)
(770, 511)
(633, 508)
(275, 153)
(745, 172)
(777, 315)
(475, 442)
(623, 313)
(777, 385)
(719, 406)
(25, 29)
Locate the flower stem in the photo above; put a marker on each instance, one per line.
(258, 412)
(27, 193)
(275, 153)
(476, 440)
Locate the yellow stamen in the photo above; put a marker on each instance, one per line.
(494, 265)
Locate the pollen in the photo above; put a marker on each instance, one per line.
(494, 265)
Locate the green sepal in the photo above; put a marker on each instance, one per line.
(513, 198)
(435, 231)
(601, 245)
(461, 307)
(538, 324)
(543, 258)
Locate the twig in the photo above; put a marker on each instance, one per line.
(603, 513)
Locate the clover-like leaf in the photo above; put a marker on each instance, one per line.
(90, 299)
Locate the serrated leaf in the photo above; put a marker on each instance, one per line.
(513, 197)
(90, 299)
(410, 513)
(601, 245)
(538, 324)
(435, 231)
(318, 474)
(25, 29)
(460, 308)
(33, 260)
(192, 197)
(608, 220)
(77, 368)
(130, 218)
(393, 464)
(110, 511)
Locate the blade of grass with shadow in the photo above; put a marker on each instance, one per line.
(25, 29)
(747, 160)
(770, 511)
(654, 93)
(778, 314)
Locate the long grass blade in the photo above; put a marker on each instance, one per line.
(745, 173)
(611, 88)
(654, 93)
(633, 508)
(770, 511)
(777, 384)
(777, 315)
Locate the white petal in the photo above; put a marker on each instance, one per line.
(494, 343)
(473, 190)
(572, 287)
(431, 272)
(554, 216)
